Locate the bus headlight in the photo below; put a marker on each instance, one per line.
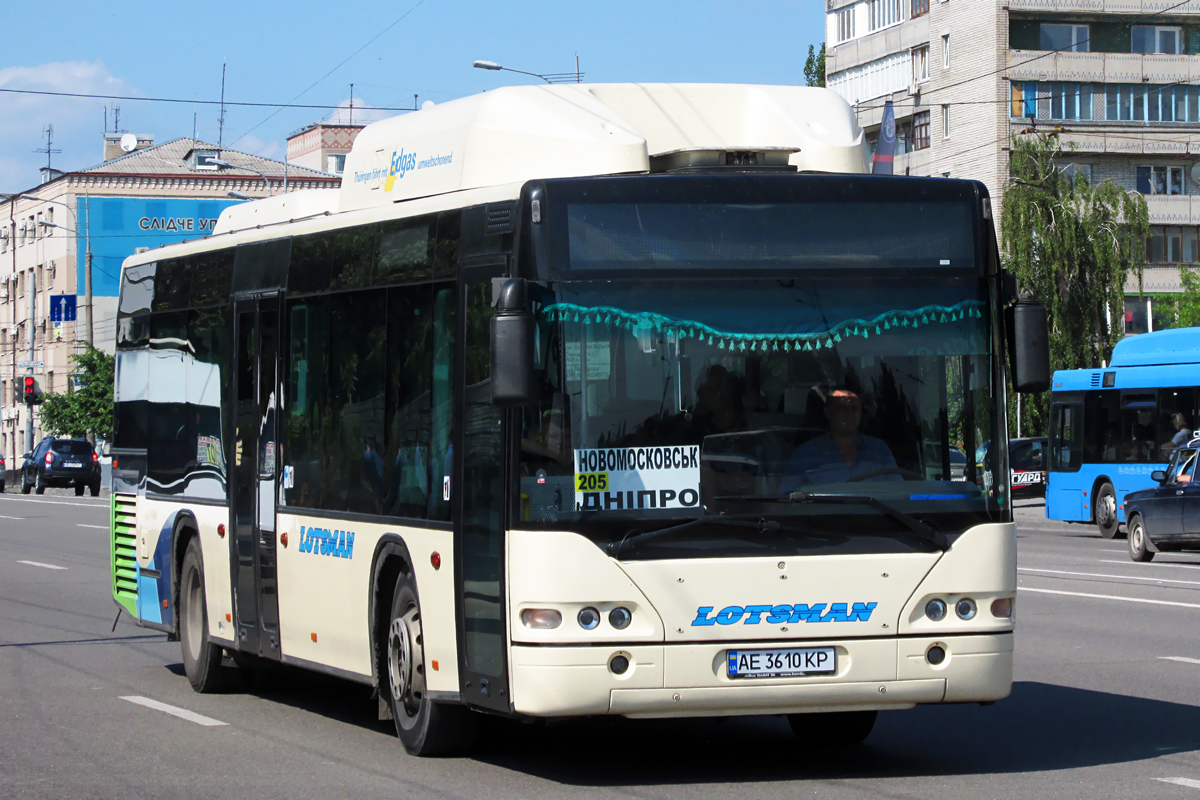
(965, 608)
(936, 610)
(589, 618)
(541, 618)
(620, 617)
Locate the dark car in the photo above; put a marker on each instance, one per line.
(2, 473)
(1167, 516)
(1027, 461)
(61, 463)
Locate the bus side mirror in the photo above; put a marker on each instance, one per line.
(1028, 346)
(511, 346)
(1158, 476)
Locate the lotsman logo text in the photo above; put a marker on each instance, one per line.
(801, 612)
(401, 164)
(322, 541)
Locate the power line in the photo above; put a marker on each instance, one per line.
(335, 69)
(279, 106)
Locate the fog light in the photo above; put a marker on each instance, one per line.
(618, 665)
(541, 618)
(935, 655)
(620, 618)
(936, 610)
(965, 608)
(1002, 608)
(589, 618)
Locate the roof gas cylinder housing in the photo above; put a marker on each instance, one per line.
(519, 133)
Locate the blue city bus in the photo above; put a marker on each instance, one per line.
(1110, 428)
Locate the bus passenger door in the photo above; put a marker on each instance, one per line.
(254, 475)
(479, 495)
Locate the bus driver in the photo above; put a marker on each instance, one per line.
(840, 454)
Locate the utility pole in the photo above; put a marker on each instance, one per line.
(221, 120)
(32, 333)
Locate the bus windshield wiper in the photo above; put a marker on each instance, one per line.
(923, 530)
(615, 549)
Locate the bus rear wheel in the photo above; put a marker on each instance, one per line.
(201, 658)
(1105, 511)
(833, 729)
(425, 728)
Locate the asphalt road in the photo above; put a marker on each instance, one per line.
(1104, 703)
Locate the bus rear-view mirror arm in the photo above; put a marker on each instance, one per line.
(1028, 345)
(511, 346)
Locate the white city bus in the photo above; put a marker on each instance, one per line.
(582, 400)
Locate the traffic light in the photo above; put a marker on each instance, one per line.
(30, 393)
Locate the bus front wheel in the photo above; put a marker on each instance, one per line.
(833, 729)
(425, 728)
(1105, 511)
(201, 658)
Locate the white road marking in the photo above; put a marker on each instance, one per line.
(1182, 659)
(4, 517)
(1110, 597)
(182, 713)
(1155, 565)
(1191, 783)
(97, 504)
(100, 527)
(1100, 575)
(40, 564)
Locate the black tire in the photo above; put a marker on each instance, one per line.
(1104, 511)
(201, 658)
(25, 487)
(1139, 546)
(39, 486)
(95, 489)
(79, 490)
(833, 729)
(425, 728)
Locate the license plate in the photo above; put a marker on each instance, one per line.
(72, 464)
(782, 663)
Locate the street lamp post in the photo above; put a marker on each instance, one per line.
(222, 163)
(549, 77)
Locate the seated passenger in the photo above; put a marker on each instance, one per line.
(839, 454)
(1182, 436)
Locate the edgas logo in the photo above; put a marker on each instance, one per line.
(402, 163)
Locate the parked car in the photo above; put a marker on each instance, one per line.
(61, 463)
(933, 462)
(1027, 463)
(2, 473)
(1166, 516)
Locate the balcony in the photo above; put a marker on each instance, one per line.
(1174, 209)
(1106, 6)
(1043, 65)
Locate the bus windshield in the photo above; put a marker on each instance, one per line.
(765, 398)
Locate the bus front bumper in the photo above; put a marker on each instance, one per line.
(691, 680)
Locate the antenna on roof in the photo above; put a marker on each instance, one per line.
(49, 148)
(116, 117)
(221, 119)
(352, 104)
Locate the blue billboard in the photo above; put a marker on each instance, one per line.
(117, 226)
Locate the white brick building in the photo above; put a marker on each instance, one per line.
(1117, 77)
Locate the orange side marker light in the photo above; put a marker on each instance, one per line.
(164, 603)
(435, 665)
(283, 538)
(314, 637)
(229, 617)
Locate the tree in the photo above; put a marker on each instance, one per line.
(1187, 305)
(1073, 245)
(89, 409)
(814, 67)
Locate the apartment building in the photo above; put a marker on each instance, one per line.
(141, 196)
(1119, 78)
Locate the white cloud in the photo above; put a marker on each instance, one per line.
(363, 113)
(78, 121)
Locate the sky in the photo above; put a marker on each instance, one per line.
(304, 52)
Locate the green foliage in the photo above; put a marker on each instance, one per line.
(89, 409)
(1073, 246)
(814, 67)
(1187, 305)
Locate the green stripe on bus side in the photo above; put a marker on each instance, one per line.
(124, 553)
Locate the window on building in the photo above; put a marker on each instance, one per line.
(945, 121)
(1154, 179)
(336, 164)
(1173, 244)
(845, 24)
(920, 63)
(4, 241)
(882, 13)
(945, 51)
(1078, 171)
(1143, 103)
(920, 130)
(1157, 39)
(920, 7)
(1064, 37)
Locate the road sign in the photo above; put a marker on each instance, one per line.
(31, 365)
(62, 308)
